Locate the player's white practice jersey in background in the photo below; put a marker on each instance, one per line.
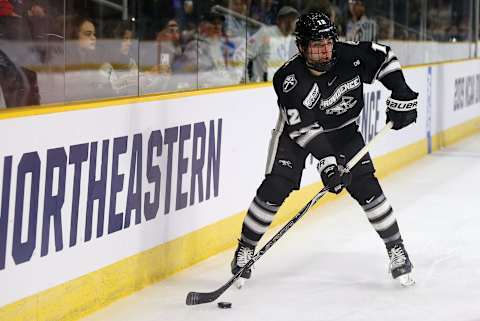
(267, 49)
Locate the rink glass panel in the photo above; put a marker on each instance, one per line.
(51, 55)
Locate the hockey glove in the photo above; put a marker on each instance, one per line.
(334, 177)
(402, 109)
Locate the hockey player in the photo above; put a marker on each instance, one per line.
(320, 96)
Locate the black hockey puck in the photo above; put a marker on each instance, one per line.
(224, 305)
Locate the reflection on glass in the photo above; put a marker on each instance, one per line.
(159, 59)
(83, 77)
(121, 68)
(28, 40)
(359, 26)
(272, 45)
(205, 56)
(50, 54)
(18, 85)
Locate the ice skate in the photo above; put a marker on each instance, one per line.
(400, 266)
(243, 254)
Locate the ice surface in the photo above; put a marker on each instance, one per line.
(332, 265)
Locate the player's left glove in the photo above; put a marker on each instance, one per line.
(334, 177)
(402, 109)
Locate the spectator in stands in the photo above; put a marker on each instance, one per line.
(39, 20)
(385, 28)
(18, 85)
(83, 79)
(168, 46)
(122, 69)
(12, 25)
(42, 28)
(160, 58)
(188, 24)
(81, 32)
(124, 31)
(235, 24)
(271, 46)
(264, 11)
(205, 56)
(359, 27)
(36, 10)
(237, 31)
(24, 28)
(318, 5)
(7, 9)
(20, 6)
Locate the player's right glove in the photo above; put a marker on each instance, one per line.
(402, 109)
(334, 177)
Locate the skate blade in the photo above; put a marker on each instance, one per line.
(406, 280)
(239, 283)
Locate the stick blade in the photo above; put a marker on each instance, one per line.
(194, 298)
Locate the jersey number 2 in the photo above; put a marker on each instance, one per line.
(293, 116)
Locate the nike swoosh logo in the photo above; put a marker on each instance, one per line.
(370, 200)
(332, 81)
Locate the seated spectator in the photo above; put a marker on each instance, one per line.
(122, 68)
(168, 46)
(205, 58)
(39, 21)
(159, 59)
(235, 24)
(271, 46)
(7, 9)
(83, 79)
(18, 85)
(264, 11)
(82, 41)
(17, 39)
(44, 34)
(360, 27)
(188, 24)
(13, 27)
(20, 6)
(25, 29)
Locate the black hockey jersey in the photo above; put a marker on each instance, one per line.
(312, 105)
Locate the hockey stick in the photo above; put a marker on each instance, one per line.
(194, 298)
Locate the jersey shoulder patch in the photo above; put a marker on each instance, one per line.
(286, 77)
(289, 83)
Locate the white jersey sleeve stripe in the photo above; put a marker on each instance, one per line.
(391, 67)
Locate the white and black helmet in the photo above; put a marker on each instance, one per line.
(315, 26)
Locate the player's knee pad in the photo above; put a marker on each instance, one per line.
(364, 188)
(275, 189)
